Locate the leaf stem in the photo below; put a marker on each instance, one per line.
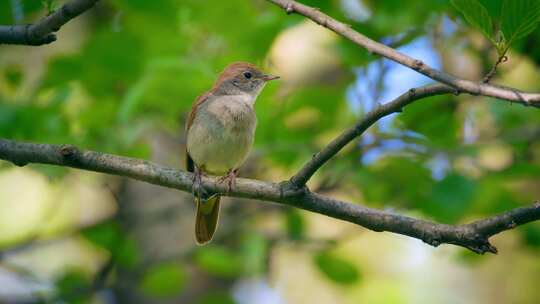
(491, 73)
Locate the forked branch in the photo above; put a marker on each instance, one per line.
(473, 236)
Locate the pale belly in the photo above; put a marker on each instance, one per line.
(221, 137)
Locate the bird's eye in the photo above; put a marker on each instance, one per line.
(248, 75)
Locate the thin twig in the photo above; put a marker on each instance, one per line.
(466, 86)
(491, 73)
(319, 159)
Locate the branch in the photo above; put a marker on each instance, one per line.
(42, 32)
(396, 105)
(473, 236)
(466, 86)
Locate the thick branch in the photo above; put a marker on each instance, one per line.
(372, 117)
(42, 32)
(473, 236)
(466, 86)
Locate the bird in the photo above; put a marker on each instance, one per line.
(220, 131)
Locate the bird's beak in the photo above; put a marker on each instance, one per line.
(269, 77)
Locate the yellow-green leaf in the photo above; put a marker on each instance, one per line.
(476, 15)
(519, 18)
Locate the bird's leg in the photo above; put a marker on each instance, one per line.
(197, 188)
(230, 177)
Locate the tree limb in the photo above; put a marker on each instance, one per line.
(305, 173)
(466, 86)
(42, 32)
(473, 236)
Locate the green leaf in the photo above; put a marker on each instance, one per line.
(13, 75)
(127, 253)
(476, 15)
(409, 184)
(295, 224)
(49, 5)
(219, 261)
(531, 234)
(254, 253)
(71, 286)
(106, 234)
(110, 236)
(493, 7)
(337, 269)
(164, 280)
(216, 297)
(441, 130)
(451, 198)
(519, 18)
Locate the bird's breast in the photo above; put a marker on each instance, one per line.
(233, 112)
(222, 133)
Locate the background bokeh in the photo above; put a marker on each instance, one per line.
(121, 79)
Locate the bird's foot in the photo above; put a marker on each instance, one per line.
(197, 189)
(230, 177)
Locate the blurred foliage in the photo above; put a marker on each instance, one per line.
(216, 297)
(108, 235)
(73, 286)
(219, 261)
(163, 280)
(294, 224)
(337, 269)
(136, 66)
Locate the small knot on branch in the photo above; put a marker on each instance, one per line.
(49, 39)
(19, 163)
(434, 242)
(480, 244)
(323, 22)
(288, 189)
(486, 247)
(433, 239)
(418, 64)
(68, 152)
(511, 225)
(289, 9)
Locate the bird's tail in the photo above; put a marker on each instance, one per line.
(207, 218)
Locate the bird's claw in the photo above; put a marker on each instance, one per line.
(230, 177)
(197, 189)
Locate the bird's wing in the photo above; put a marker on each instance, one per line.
(190, 165)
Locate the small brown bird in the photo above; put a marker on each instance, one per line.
(220, 131)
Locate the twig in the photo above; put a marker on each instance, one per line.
(491, 73)
(305, 173)
(462, 85)
(42, 32)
